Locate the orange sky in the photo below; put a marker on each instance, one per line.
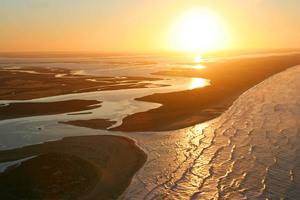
(144, 25)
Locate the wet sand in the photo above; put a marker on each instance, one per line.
(229, 79)
(252, 151)
(117, 157)
(92, 123)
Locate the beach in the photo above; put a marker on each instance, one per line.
(228, 80)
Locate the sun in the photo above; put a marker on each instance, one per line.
(197, 31)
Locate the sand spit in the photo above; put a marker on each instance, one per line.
(92, 123)
(28, 109)
(229, 79)
(115, 160)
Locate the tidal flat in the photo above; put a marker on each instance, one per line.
(208, 132)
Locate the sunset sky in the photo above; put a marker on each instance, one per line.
(147, 25)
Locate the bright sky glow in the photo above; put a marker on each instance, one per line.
(192, 26)
(196, 31)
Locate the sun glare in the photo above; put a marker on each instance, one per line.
(198, 67)
(198, 59)
(198, 82)
(197, 31)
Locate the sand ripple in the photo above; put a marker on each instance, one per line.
(252, 151)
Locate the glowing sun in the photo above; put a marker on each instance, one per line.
(197, 31)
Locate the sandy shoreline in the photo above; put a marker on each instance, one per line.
(228, 80)
(118, 158)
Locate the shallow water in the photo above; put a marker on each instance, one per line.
(252, 151)
(105, 65)
(116, 104)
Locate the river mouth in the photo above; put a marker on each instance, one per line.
(245, 153)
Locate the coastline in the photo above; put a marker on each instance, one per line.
(237, 155)
(228, 80)
(225, 101)
(186, 108)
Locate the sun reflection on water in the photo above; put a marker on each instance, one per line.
(198, 59)
(195, 66)
(198, 67)
(198, 82)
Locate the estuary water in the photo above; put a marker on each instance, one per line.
(115, 104)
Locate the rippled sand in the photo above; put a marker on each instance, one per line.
(252, 151)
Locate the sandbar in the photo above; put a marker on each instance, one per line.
(27, 83)
(118, 159)
(23, 83)
(28, 109)
(228, 80)
(92, 123)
